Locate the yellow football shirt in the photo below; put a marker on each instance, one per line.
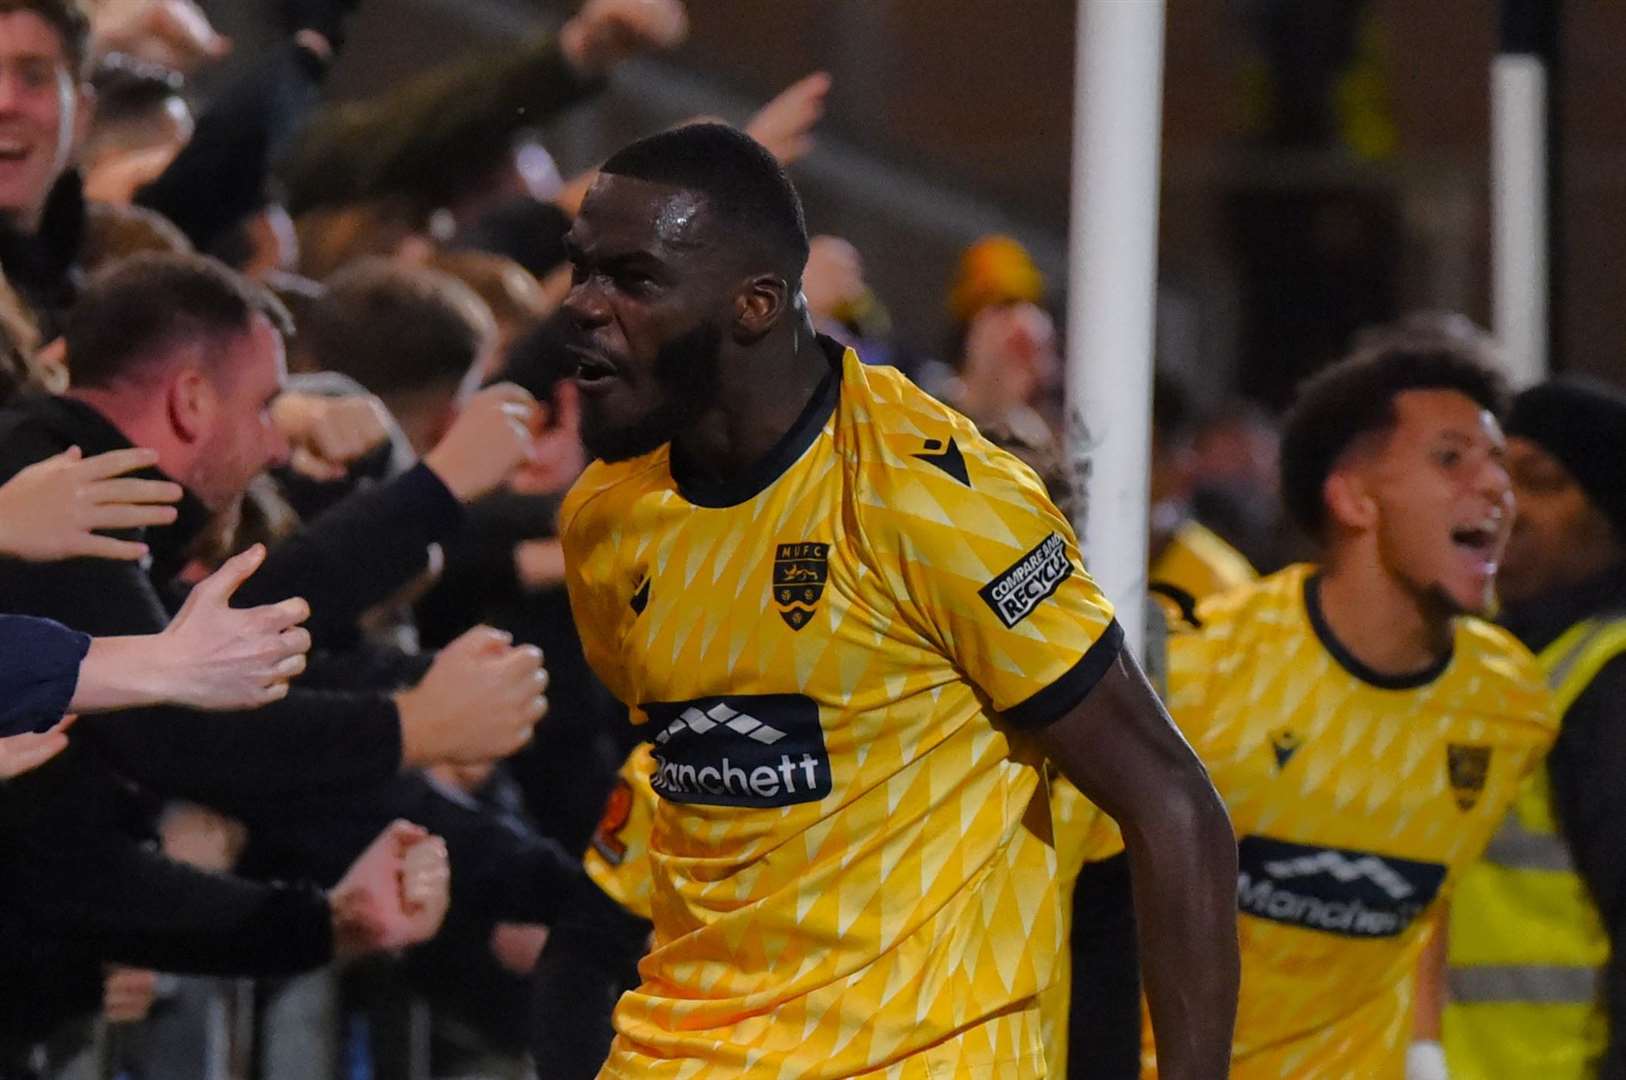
(1357, 801)
(617, 858)
(1197, 563)
(851, 870)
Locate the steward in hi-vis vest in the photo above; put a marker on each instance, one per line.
(1534, 986)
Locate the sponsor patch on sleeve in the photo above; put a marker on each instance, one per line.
(1029, 582)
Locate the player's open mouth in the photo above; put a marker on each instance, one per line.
(1479, 539)
(1481, 542)
(591, 368)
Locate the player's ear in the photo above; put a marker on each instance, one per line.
(1349, 499)
(759, 305)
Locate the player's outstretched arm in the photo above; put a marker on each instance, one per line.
(1122, 750)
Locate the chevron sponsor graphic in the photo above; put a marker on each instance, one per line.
(1333, 890)
(1029, 581)
(748, 750)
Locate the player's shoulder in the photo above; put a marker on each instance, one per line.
(1272, 601)
(1218, 560)
(1505, 675)
(605, 487)
(908, 452)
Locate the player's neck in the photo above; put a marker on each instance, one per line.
(1380, 621)
(754, 412)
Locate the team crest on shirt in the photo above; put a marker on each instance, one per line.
(799, 574)
(1467, 768)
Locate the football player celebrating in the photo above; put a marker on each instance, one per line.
(1366, 730)
(855, 630)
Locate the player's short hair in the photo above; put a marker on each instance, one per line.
(1355, 398)
(136, 309)
(397, 329)
(742, 183)
(71, 23)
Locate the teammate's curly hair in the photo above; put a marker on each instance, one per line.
(1356, 397)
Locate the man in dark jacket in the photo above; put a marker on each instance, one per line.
(179, 354)
(1538, 931)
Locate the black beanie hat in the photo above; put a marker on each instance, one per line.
(1582, 424)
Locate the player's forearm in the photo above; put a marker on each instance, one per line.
(1430, 1001)
(1184, 868)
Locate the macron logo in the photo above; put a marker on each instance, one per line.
(1344, 870)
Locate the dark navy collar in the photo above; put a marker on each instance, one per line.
(1350, 663)
(785, 453)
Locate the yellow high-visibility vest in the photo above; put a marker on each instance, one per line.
(1527, 950)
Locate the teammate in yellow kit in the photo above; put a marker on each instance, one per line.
(1365, 730)
(855, 630)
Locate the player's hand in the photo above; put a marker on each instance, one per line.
(487, 441)
(329, 434)
(219, 657)
(394, 895)
(785, 124)
(117, 179)
(201, 837)
(171, 33)
(1425, 1060)
(605, 32)
(53, 508)
(30, 750)
(834, 275)
(557, 456)
(539, 564)
(128, 994)
(480, 701)
(518, 946)
(319, 25)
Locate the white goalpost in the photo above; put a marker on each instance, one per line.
(1112, 289)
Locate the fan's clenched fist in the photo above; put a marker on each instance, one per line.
(487, 442)
(479, 702)
(605, 32)
(394, 895)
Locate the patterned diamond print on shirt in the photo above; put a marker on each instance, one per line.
(721, 715)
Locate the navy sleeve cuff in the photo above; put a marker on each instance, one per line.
(1056, 700)
(39, 672)
(444, 514)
